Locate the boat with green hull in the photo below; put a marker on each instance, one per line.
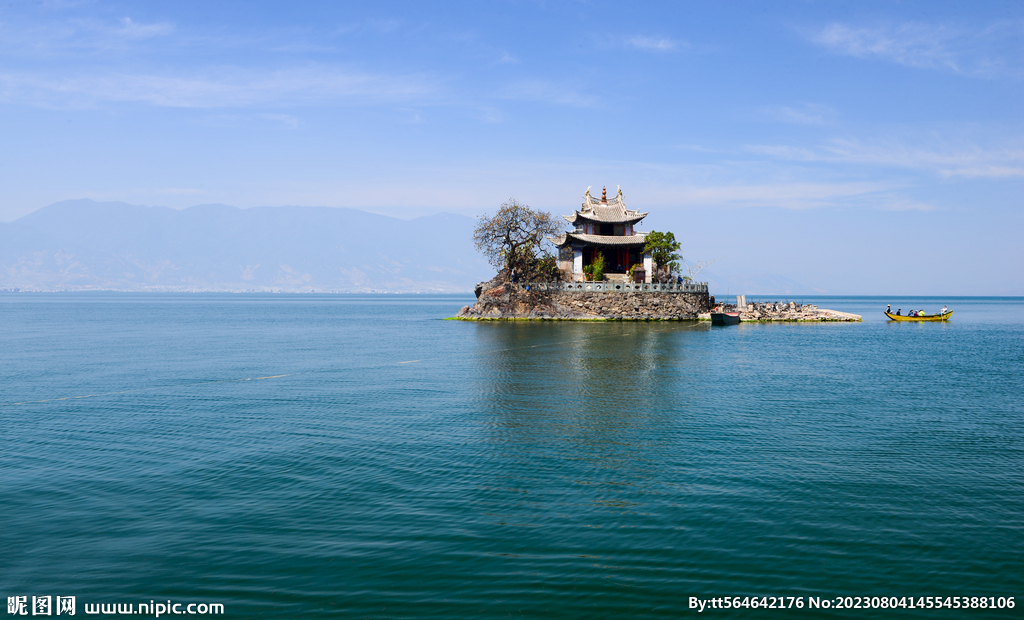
(725, 318)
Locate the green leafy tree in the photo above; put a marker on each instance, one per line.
(516, 237)
(663, 248)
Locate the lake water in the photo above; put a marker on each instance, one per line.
(356, 456)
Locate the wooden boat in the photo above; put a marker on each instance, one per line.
(725, 318)
(927, 317)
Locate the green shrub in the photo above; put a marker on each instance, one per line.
(547, 268)
(598, 266)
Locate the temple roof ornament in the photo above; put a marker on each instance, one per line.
(604, 211)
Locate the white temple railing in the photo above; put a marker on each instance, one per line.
(614, 287)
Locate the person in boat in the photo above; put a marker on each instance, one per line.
(921, 312)
(912, 313)
(943, 311)
(888, 308)
(898, 310)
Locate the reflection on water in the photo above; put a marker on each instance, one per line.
(598, 403)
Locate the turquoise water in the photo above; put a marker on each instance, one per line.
(355, 456)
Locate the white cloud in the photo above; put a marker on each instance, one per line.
(655, 44)
(806, 114)
(135, 30)
(782, 151)
(790, 195)
(899, 203)
(975, 52)
(914, 45)
(547, 92)
(962, 159)
(227, 87)
(77, 33)
(986, 171)
(287, 120)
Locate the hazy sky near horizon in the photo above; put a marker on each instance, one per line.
(829, 111)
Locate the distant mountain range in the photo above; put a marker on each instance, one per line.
(87, 245)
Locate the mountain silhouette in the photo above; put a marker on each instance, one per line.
(88, 245)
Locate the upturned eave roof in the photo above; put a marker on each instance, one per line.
(605, 215)
(567, 238)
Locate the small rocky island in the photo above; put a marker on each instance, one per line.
(604, 270)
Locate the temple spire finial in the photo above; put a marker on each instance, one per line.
(604, 194)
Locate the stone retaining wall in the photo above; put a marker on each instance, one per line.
(516, 301)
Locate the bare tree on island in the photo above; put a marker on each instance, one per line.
(695, 269)
(517, 238)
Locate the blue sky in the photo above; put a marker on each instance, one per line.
(764, 133)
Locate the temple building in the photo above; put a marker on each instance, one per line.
(603, 226)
